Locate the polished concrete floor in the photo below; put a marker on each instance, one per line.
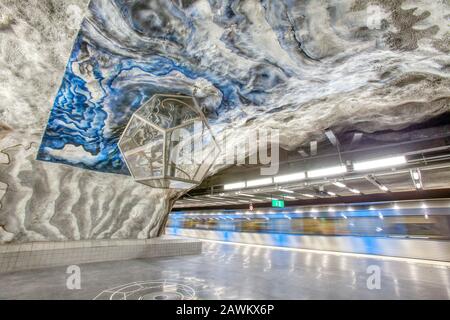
(229, 271)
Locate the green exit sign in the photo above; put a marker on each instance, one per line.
(277, 203)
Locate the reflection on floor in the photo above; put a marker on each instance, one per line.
(229, 271)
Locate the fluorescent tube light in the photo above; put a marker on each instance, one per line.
(326, 172)
(218, 198)
(231, 186)
(339, 184)
(286, 190)
(245, 195)
(355, 191)
(379, 163)
(290, 177)
(307, 195)
(259, 182)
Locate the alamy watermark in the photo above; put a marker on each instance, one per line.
(73, 281)
(374, 279)
(259, 147)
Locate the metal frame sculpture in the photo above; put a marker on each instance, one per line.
(168, 144)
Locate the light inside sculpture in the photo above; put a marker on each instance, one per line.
(168, 144)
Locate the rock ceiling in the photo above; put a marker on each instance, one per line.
(299, 66)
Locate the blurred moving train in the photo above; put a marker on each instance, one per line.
(413, 229)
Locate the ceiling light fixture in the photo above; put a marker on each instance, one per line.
(259, 182)
(379, 163)
(290, 177)
(339, 184)
(245, 194)
(326, 172)
(286, 190)
(236, 185)
(213, 197)
(417, 178)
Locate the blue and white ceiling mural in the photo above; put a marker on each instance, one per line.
(300, 66)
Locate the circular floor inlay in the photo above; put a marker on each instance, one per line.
(148, 290)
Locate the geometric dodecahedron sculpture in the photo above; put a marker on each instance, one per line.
(168, 144)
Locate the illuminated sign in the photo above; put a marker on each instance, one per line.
(277, 203)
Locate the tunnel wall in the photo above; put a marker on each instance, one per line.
(42, 201)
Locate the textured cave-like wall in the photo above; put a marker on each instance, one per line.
(41, 201)
(53, 202)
